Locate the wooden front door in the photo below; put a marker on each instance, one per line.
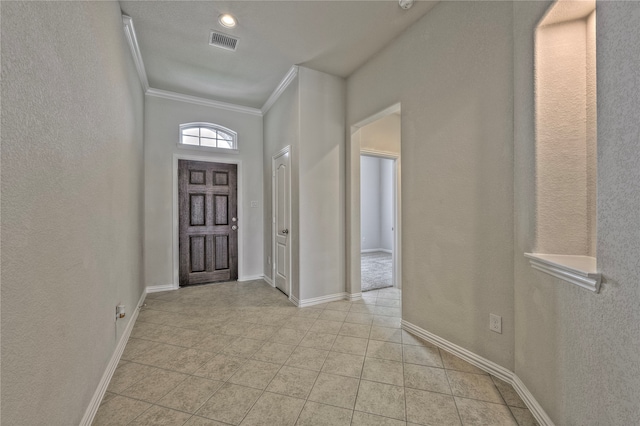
(208, 222)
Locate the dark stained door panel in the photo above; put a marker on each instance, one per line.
(208, 224)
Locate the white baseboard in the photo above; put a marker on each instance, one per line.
(480, 362)
(250, 278)
(268, 280)
(484, 364)
(536, 409)
(294, 300)
(169, 287)
(92, 409)
(355, 296)
(323, 299)
(158, 288)
(376, 249)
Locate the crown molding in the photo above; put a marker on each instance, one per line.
(165, 94)
(132, 40)
(288, 78)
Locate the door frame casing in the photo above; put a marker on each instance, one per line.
(176, 218)
(397, 253)
(280, 153)
(354, 284)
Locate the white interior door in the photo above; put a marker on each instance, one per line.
(282, 221)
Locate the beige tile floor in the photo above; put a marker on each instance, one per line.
(241, 353)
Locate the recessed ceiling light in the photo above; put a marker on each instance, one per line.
(405, 4)
(227, 20)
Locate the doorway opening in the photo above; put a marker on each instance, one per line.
(208, 222)
(374, 204)
(377, 221)
(214, 214)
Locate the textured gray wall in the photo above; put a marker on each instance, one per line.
(613, 328)
(577, 351)
(562, 166)
(321, 180)
(72, 152)
(452, 72)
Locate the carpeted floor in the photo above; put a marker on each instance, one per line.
(376, 270)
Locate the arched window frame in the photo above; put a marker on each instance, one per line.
(213, 128)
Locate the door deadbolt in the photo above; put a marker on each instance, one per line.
(234, 219)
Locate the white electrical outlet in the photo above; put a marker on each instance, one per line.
(254, 204)
(495, 323)
(120, 312)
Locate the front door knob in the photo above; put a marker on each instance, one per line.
(234, 227)
(285, 231)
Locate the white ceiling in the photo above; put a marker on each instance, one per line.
(335, 37)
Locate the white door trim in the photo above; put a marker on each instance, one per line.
(397, 212)
(175, 220)
(285, 150)
(393, 109)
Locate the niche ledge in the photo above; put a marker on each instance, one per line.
(578, 270)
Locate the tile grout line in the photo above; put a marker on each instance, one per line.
(279, 369)
(318, 375)
(192, 375)
(404, 384)
(296, 347)
(360, 381)
(232, 374)
(503, 399)
(320, 371)
(455, 403)
(285, 363)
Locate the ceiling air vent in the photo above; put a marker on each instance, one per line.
(223, 41)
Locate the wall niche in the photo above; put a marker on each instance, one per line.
(566, 138)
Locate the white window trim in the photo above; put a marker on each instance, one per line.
(211, 126)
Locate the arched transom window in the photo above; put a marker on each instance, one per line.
(208, 135)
